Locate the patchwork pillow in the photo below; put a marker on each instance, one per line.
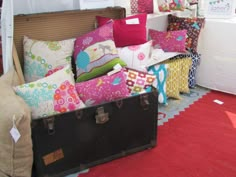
(16, 155)
(193, 69)
(95, 53)
(173, 79)
(103, 89)
(136, 56)
(186, 64)
(128, 31)
(192, 25)
(138, 81)
(169, 41)
(51, 95)
(42, 56)
(160, 71)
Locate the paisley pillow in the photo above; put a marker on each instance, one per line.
(51, 95)
(42, 56)
(95, 53)
(103, 89)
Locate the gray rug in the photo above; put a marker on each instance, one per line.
(166, 112)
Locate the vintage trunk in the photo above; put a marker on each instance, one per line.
(74, 141)
(77, 140)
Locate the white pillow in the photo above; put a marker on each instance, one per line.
(136, 56)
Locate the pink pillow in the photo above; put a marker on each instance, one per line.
(103, 89)
(127, 31)
(169, 41)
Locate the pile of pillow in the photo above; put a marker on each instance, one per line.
(52, 88)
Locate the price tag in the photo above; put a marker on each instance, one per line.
(14, 131)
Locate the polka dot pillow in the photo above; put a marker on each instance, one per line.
(51, 95)
(42, 56)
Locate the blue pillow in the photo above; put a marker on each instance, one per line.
(160, 71)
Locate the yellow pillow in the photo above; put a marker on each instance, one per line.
(173, 78)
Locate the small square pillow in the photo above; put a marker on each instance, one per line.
(103, 89)
(51, 95)
(95, 53)
(169, 41)
(192, 25)
(138, 81)
(186, 64)
(42, 56)
(173, 79)
(177, 5)
(160, 71)
(136, 56)
(128, 31)
(163, 5)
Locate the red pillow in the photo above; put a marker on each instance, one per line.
(127, 31)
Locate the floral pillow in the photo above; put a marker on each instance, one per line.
(42, 56)
(51, 95)
(103, 89)
(173, 79)
(95, 53)
(128, 31)
(177, 5)
(163, 5)
(160, 71)
(138, 81)
(192, 25)
(136, 56)
(169, 41)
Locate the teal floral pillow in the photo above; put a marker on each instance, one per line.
(51, 95)
(42, 56)
(160, 71)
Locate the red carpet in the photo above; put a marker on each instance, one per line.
(200, 142)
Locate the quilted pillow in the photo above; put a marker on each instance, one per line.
(51, 95)
(193, 69)
(173, 79)
(138, 81)
(186, 64)
(160, 71)
(128, 31)
(192, 25)
(42, 56)
(169, 41)
(136, 56)
(103, 89)
(95, 53)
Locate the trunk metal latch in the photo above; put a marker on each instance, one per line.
(101, 116)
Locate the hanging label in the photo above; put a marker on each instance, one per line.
(14, 131)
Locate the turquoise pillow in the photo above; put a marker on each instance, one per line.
(160, 71)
